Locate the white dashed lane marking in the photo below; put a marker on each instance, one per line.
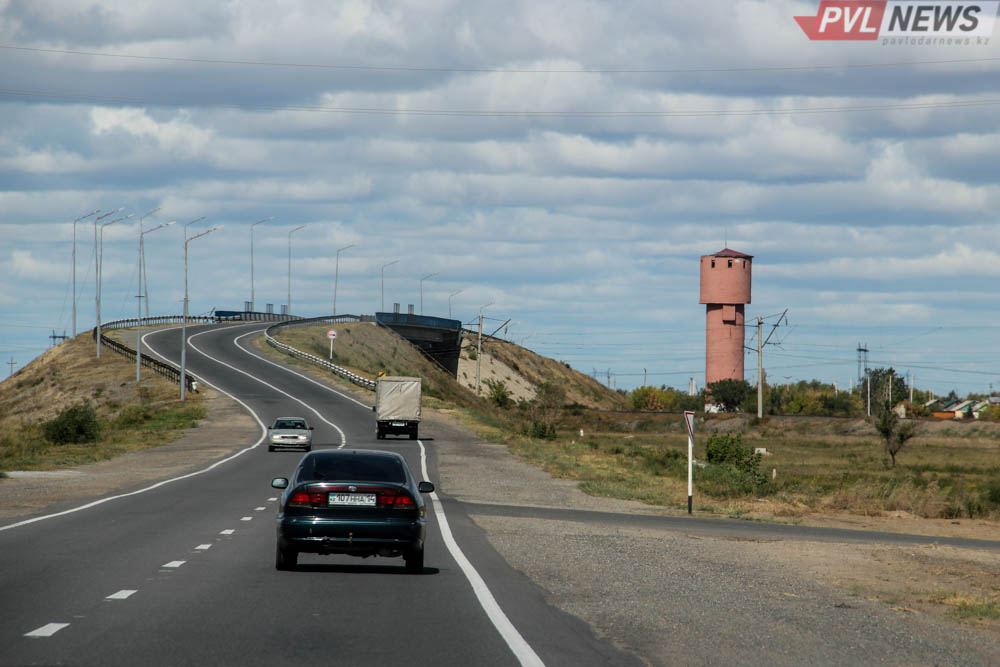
(174, 563)
(121, 595)
(203, 547)
(227, 531)
(259, 509)
(271, 500)
(47, 630)
(246, 518)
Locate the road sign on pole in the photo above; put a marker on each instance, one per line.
(689, 420)
(331, 334)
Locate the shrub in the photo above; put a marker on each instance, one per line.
(735, 465)
(499, 394)
(77, 423)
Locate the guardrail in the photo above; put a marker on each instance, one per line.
(331, 319)
(166, 370)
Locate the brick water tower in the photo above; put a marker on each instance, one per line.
(725, 289)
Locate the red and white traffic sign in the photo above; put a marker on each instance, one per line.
(331, 334)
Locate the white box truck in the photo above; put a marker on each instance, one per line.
(397, 406)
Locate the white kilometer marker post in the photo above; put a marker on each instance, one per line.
(47, 630)
(174, 563)
(121, 595)
(227, 531)
(203, 547)
(689, 420)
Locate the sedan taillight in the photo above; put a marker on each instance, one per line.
(299, 499)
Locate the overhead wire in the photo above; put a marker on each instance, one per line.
(499, 70)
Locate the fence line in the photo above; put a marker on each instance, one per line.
(332, 319)
(167, 370)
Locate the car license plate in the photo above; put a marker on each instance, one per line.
(398, 423)
(353, 499)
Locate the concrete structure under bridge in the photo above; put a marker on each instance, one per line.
(438, 337)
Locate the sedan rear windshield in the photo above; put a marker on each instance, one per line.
(289, 424)
(352, 469)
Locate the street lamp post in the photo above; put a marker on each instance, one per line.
(429, 275)
(449, 301)
(395, 261)
(252, 295)
(184, 324)
(336, 276)
(82, 217)
(97, 298)
(138, 315)
(100, 275)
(290, 267)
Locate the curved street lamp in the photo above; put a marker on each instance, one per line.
(185, 319)
(143, 293)
(290, 267)
(395, 261)
(82, 217)
(449, 301)
(100, 274)
(429, 275)
(336, 276)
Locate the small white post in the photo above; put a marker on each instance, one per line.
(689, 420)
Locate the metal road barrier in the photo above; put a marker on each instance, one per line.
(331, 319)
(168, 371)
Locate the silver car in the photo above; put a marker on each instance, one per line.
(290, 433)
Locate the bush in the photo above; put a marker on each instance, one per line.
(499, 394)
(75, 424)
(731, 464)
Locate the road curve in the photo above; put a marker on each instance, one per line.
(184, 573)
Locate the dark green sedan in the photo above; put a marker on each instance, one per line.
(360, 502)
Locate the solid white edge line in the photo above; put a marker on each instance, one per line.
(294, 372)
(215, 465)
(47, 630)
(518, 646)
(343, 437)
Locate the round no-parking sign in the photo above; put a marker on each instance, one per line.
(331, 334)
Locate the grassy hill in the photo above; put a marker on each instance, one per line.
(129, 416)
(367, 350)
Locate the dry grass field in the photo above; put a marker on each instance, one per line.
(131, 416)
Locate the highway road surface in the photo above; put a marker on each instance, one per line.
(182, 573)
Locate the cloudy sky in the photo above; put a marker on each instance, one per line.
(564, 164)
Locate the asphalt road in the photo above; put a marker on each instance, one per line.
(184, 573)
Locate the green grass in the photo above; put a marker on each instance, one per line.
(137, 427)
(977, 609)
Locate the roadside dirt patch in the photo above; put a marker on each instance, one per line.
(226, 428)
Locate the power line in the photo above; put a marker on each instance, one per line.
(504, 113)
(498, 70)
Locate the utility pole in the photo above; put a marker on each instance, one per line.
(760, 368)
(479, 350)
(11, 364)
(760, 359)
